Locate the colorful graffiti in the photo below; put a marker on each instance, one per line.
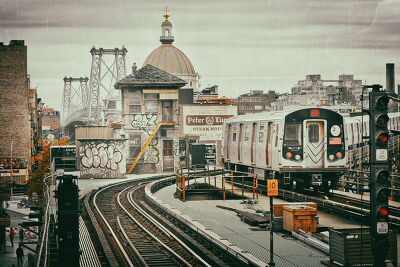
(145, 122)
(153, 155)
(103, 159)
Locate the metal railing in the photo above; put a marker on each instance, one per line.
(191, 179)
(356, 179)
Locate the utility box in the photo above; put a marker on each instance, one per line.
(198, 154)
(296, 217)
(351, 247)
(278, 207)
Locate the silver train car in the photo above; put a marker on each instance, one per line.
(301, 148)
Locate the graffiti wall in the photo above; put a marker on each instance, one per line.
(103, 158)
(145, 122)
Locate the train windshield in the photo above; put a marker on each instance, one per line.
(292, 134)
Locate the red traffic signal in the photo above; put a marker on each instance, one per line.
(382, 211)
(382, 139)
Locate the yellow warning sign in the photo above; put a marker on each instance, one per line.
(272, 189)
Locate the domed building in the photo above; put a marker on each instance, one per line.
(172, 60)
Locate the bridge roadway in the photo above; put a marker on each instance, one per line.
(227, 225)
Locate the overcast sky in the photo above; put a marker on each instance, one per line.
(237, 44)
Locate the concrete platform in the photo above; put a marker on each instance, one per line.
(227, 225)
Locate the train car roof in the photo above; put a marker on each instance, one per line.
(271, 115)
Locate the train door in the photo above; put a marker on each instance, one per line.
(314, 144)
(268, 145)
(240, 142)
(253, 144)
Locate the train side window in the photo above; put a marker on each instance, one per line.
(276, 135)
(292, 135)
(247, 134)
(261, 134)
(313, 133)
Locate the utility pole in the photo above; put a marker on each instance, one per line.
(379, 173)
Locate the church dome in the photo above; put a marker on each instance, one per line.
(170, 59)
(167, 57)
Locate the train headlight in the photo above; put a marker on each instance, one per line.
(339, 155)
(297, 157)
(289, 155)
(331, 157)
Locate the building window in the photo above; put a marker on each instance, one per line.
(134, 102)
(135, 109)
(167, 149)
(134, 97)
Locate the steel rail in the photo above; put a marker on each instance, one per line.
(147, 231)
(127, 259)
(130, 243)
(162, 227)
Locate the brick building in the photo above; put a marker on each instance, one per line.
(255, 101)
(51, 123)
(330, 92)
(15, 130)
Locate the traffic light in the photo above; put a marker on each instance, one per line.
(68, 221)
(380, 173)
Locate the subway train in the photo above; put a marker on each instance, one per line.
(303, 148)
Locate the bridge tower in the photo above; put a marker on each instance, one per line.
(103, 75)
(75, 96)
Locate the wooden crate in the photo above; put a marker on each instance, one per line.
(278, 207)
(298, 217)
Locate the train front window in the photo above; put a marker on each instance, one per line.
(313, 133)
(292, 134)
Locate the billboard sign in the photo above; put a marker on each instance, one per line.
(206, 121)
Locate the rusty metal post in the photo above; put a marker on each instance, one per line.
(254, 186)
(183, 188)
(188, 175)
(232, 181)
(208, 175)
(215, 177)
(242, 186)
(223, 186)
(195, 182)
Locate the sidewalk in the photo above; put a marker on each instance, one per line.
(8, 258)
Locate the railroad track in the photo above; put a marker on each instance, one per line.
(138, 234)
(135, 240)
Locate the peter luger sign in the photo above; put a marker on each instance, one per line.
(206, 121)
